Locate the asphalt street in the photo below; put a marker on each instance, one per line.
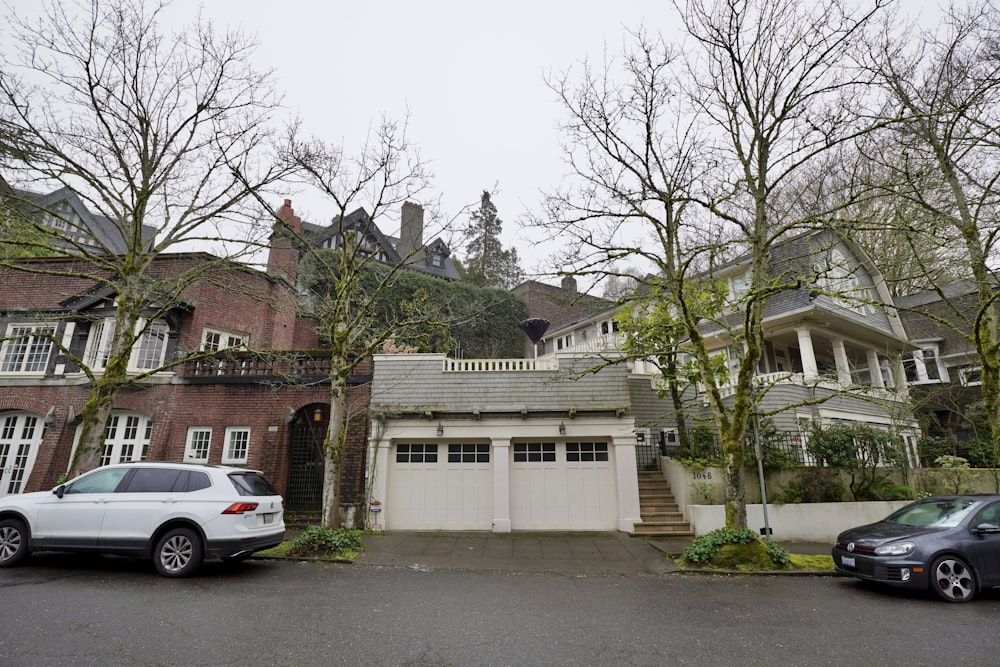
(62, 609)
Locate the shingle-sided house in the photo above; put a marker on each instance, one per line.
(833, 352)
(943, 369)
(258, 400)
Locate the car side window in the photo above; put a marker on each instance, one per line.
(153, 480)
(198, 481)
(989, 515)
(100, 481)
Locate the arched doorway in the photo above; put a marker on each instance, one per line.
(305, 470)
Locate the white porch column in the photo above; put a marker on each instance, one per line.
(628, 483)
(875, 370)
(843, 365)
(902, 387)
(810, 372)
(379, 451)
(501, 485)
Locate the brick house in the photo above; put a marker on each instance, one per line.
(260, 400)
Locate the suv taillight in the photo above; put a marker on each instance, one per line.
(240, 508)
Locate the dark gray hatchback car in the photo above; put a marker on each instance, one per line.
(950, 544)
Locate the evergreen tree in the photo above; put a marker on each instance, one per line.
(487, 263)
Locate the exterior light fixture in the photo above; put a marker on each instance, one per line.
(440, 429)
(562, 428)
(317, 415)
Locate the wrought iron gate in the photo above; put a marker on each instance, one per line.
(305, 473)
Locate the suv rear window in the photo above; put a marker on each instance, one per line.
(251, 484)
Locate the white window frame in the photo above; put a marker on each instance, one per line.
(842, 282)
(966, 371)
(126, 438)
(237, 441)
(29, 345)
(102, 333)
(227, 340)
(198, 446)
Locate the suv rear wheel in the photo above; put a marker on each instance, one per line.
(178, 553)
(13, 542)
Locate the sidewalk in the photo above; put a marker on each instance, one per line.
(586, 553)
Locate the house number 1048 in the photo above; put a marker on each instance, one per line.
(702, 475)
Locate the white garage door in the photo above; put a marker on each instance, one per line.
(440, 487)
(562, 486)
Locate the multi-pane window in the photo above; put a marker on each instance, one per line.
(214, 340)
(922, 365)
(199, 442)
(237, 448)
(586, 451)
(26, 349)
(416, 453)
(147, 353)
(151, 347)
(469, 453)
(126, 438)
(20, 435)
(533, 452)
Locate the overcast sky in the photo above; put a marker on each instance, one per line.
(471, 75)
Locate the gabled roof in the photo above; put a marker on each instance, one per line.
(359, 220)
(101, 228)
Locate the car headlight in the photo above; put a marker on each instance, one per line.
(895, 549)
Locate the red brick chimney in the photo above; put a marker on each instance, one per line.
(283, 257)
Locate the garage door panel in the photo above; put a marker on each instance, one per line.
(435, 494)
(561, 494)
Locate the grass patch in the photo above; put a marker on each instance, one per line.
(814, 563)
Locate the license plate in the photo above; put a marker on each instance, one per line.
(269, 518)
(847, 561)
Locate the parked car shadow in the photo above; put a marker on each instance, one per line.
(54, 563)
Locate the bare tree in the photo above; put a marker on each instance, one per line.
(697, 151)
(347, 282)
(152, 130)
(943, 98)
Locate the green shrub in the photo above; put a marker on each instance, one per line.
(813, 485)
(705, 548)
(319, 541)
(930, 448)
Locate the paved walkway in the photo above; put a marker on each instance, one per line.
(586, 553)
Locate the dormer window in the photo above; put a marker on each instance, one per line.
(437, 261)
(839, 278)
(147, 353)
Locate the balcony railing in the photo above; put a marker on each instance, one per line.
(799, 380)
(286, 365)
(500, 365)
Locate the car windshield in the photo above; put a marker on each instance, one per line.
(933, 512)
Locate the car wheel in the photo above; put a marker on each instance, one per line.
(952, 579)
(13, 542)
(178, 553)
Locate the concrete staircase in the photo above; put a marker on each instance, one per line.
(661, 516)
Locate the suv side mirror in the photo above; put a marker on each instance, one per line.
(987, 529)
(60, 490)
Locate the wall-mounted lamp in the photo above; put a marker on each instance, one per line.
(317, 415)
(562, 428)
(440, 429)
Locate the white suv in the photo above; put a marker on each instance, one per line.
(178, 513)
